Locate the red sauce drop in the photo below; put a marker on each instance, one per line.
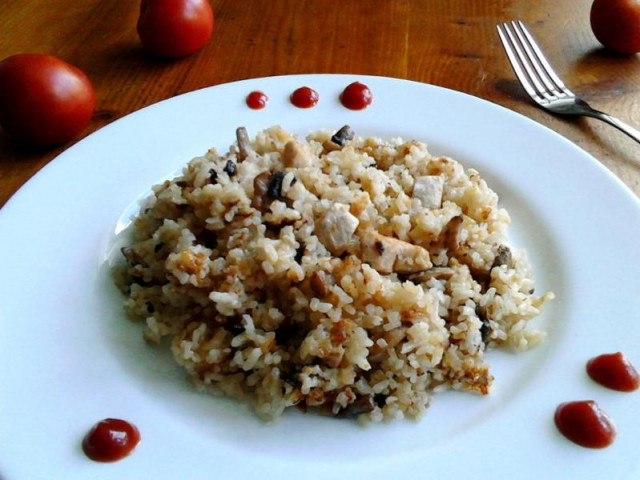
(257, 100)
(356, 96)
(110, 440)
(585, 423)
(615, 371)
(305, 97)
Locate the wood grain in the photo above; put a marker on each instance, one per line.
(448, 43)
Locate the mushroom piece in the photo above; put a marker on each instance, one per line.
(131, 255)
(428, 190)
(296, 155)
(363, 404)
(343, 135)
(335, 228)
(389, 254)
(439, 273)
(339, 139)
(244, 144)
(260, 189)
(319, 284)
(230, 168)
(451, 233)
(267, 187)
(503, 257)
(485, 328)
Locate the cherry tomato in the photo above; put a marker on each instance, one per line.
(44, 100)
(616, 24)
(175, 28)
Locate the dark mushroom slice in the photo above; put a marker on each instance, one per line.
(451, 235)
(482, 277)
(230, 168)
(133, 257)
(244, 144)
(364, 404)
(260, 188)
(439, 273)
(503, 257)
(292, 379)
(485, 329)
(267, 187)
(274, 189)
(319, 284)
(342, 136)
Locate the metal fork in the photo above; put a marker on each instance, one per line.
(542, 84)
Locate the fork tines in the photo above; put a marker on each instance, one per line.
(529, 64)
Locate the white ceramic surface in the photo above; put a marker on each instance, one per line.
(69, 357)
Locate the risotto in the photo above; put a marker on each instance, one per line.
(350, 276)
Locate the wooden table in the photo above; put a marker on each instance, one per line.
(448, 43)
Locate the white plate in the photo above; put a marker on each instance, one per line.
(69, 357)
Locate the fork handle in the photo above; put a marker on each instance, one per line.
(619, 124)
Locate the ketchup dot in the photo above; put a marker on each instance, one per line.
(356, 96)
(584, 423)
(257, 100)
(110, 439)
(304, 97)
(615, 371)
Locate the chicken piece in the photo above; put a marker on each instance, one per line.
(428, 190)
(296, 155)
(335, 228)
(389, 254)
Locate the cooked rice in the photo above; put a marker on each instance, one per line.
(356, 280)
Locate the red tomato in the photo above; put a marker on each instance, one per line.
(175, 28)
(616, 24)
(44, 100)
